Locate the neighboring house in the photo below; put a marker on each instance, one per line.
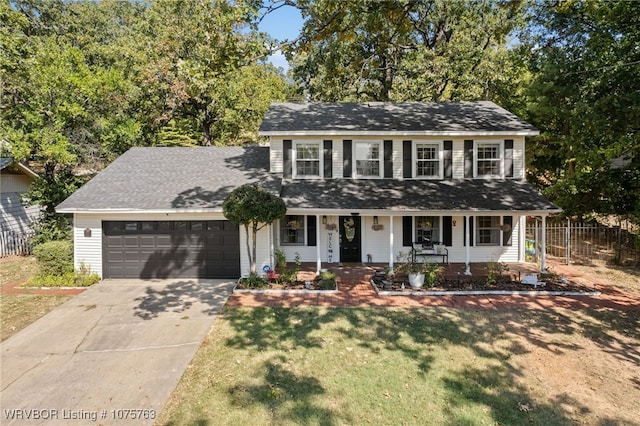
(15, 218)
(362, 183)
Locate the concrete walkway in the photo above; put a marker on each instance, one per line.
(111, 355)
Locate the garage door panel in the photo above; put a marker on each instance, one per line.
(171, 249)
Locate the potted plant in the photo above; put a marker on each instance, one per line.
(418, 272)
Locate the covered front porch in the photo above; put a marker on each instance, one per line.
(334, 238)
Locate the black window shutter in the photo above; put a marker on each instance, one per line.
(447, 231)
(407, 166)
(464, 231)
(328, 165)
(311, 230)
(508, 158)
(507, 236)
(388, 159)
(346, 155)
(407, 231)
(468, 159)
(448, 159)
(286, 158)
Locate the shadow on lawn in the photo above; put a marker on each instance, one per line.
(282, 387)
(420, 336)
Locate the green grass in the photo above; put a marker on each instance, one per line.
(329, 366)
(19, 310)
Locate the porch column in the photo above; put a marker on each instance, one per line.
(543, 250)
(391, 243)
(467, 240)
(318, 260)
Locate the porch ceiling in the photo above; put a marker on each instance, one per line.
(398, 195)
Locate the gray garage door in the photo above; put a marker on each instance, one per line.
(171, 249)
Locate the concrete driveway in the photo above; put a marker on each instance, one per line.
(111, 355)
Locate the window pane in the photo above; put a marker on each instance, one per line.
(488, 230)
(292, 230)
(488, 159)
(308, 159)
(131, 226)
(367, 168)
(165, 226)
(367, 156)
(427, 161)
(308, 151)
(147, 226)
(427, 229)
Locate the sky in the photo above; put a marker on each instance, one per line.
(282, 24)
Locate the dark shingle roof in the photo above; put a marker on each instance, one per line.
(409, 118)
(399, 195)
(173, 178)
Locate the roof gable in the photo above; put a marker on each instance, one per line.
(408, 118)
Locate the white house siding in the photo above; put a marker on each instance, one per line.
(276, 156)
(458, 158)
(398, 172)
(88, 250)
(262, 250)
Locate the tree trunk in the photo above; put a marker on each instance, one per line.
(252, 265)
(254, 235)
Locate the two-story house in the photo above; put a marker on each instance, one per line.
(361, 182)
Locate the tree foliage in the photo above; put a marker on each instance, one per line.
(430, 50)
(253, 207)
(585, 98)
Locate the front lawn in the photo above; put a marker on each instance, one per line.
(412, 366)
(19, 310)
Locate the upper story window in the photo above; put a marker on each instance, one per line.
(488, 159)
(368, 159)
(307, 159)
(292, 230)
(427, 163)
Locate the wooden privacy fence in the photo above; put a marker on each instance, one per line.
(582, 242)
(15, 243)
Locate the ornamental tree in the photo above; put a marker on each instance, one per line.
(252, 206)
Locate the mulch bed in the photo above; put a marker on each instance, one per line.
(463, 283)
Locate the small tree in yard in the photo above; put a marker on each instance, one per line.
(252, 206)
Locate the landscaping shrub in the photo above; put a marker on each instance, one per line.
(54, 257)
(327, 280)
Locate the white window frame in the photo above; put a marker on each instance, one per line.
(496, 226)
(355, 159)
(295, 159)
(500, 160)
(440, 154)
(303, 230)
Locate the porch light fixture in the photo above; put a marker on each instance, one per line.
(375, 220)
(453, 222)
(324, 220)
(87, 232)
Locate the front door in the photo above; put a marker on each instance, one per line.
(350, 249)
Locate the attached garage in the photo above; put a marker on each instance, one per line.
(171, 249)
